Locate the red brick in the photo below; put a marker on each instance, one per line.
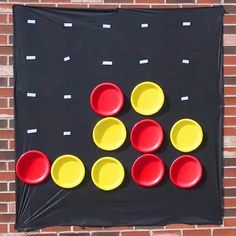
(229, 60)
(8, 111)
(3, 81)
(149, 1)
(230, 91)
(7, 176)
(229, 131)
(230, 202)
(3, 144)
(229, 110)
(3, 18)
(6, 50)
(6, 6)
(3, 187)
(230, 121)
(6, 218)
(106, 6)
(3, 124)
(56, 229)
(55, 1)
(230, 222)
(138, 233)
(119, 228)
(136, 5)
(229, 19)
(197, 233)
(230, 182)
(179, 226)
(6, 92)
(208, 1)
(165, 6)
(3, 60)
(224, 232)
(7, 155)
(6, 29)
(3, 228)
(71, 5)
(5, 134)
(3, 39)
(3, 166)
(118, 1)
(229, 172)
(3, 102)
(105, 234)
(230, 100)
(229, 70)
(7, 197)
(166, 233)
(3, 207)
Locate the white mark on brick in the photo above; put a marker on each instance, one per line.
(32, 95)
(28, 58)
(106, 26)
(67, 24)
(32, 131)
(145, 61)
(107, 63)
(67, 96)
(186, 23)
(67, 133)
(185, 61)
(184, 98)
(66, 58)
(144, 25)
(29, 21)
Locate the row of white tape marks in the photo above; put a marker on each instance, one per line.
(106, 26)
(34, 131)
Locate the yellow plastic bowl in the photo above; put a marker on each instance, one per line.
(147, 98)
(107, 173)
(109, 133)
(67, 171)
(186, 135)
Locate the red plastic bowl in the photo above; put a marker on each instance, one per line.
(146, 136)
(186, 171)
(33, 167)
(148, 170)
(106, 99)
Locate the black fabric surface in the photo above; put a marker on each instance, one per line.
(164, 43)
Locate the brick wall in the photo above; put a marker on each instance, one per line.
(7, 175)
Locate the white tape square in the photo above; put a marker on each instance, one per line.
(68, 24)
(32, 95)
(31, 131)
(185, 61)
(28, 58)
(186, 23)
(66, 58)
(29, 21)
(67, 133)
(107, 63)
(185, 98)
(106, 26)
(144, 25)
(145, 61)
(67, 96)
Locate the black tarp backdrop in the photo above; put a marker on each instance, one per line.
(164, 43)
